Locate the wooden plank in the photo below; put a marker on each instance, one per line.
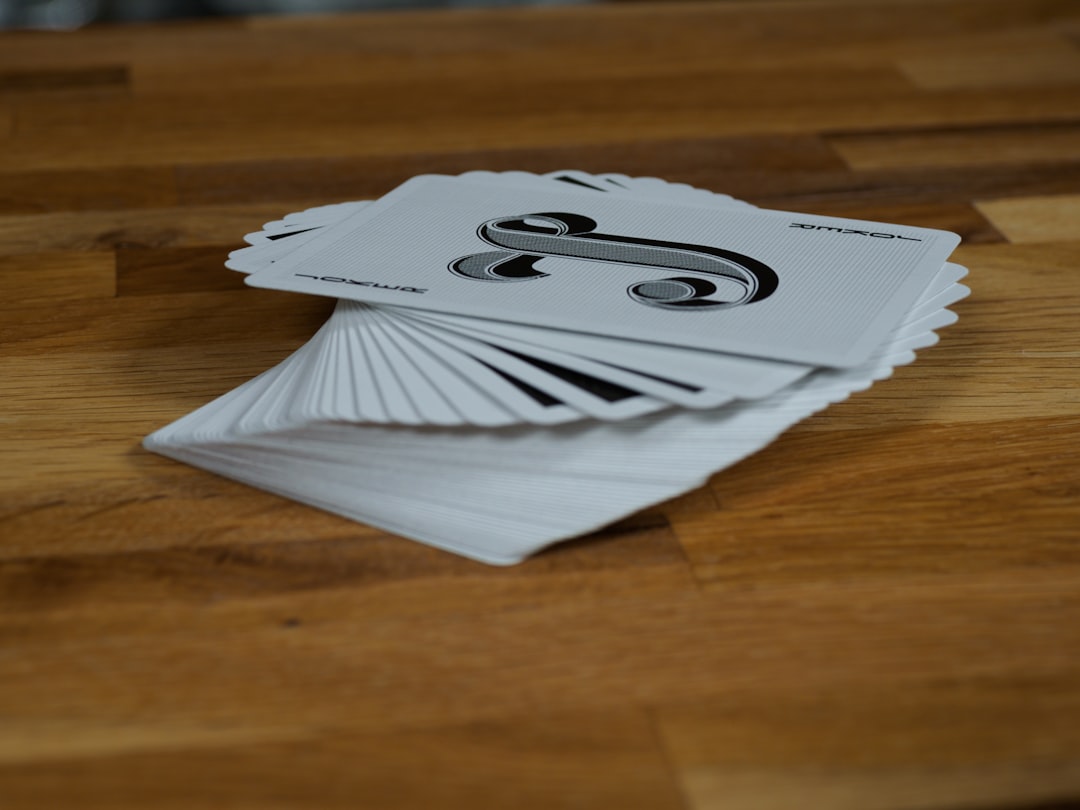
(103, 328)
(798, 26)
(110, 351)
(904, 189)
(598, 759)
(989, 146)
(785, 172)
(290, 557)
(707, 162)
(1041, 60)
(243, 128)
(383, 658)
(30, 51)
(148, 228)
(788, 510)
(254, 131)
(240, 125)
(158, 271)
(33, 192)
(562, 43)
(55, 276)
(1035, 219)
(113, 76)
(827, 750)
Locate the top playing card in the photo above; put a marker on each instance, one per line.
(796, 287)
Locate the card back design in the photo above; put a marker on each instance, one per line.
(723, 278)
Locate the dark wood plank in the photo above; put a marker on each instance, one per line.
(75, 190)
(158, 271)
(36, 81)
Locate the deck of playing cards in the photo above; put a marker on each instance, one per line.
(519, 359)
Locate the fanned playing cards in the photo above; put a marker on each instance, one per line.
(518, 359)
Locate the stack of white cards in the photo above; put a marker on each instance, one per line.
(516, 360)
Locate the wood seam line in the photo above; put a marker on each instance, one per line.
(700, 583)
(687, 561)
(673, 768)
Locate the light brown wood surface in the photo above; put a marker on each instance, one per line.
(880, 610)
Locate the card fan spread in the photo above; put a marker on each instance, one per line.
(518, 359)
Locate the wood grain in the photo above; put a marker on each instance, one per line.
(879, 610)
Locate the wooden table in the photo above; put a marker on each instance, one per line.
(880, 610)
